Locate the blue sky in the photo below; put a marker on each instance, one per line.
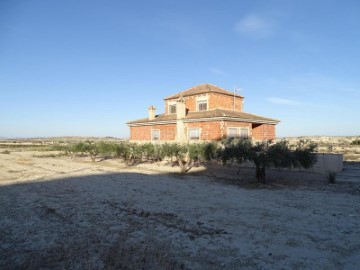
(88, 67)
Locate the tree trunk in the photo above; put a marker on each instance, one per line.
(71, 154)
(130, 160)
(261, 174)
(182, 165)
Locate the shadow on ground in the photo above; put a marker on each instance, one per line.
(120, 221)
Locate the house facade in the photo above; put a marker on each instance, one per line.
(202, 113)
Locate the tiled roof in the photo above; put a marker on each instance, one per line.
(202, 89)
(216, 113)
(158, 118)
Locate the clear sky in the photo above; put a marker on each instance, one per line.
(83, 67)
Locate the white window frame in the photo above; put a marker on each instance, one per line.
(172, 105)
(238, 132)
(247, 132)
(194, 139)
(202, 100)
(152, 134)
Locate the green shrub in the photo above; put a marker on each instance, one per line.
(58, 147)
(88, 147)
(106, 148)
(235, 150)
(121, 150)
(210, 151)
(267, 154)
(355, 142)
(92, 149)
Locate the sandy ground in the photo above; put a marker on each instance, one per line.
(57, 213)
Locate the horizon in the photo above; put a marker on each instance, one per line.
(85, 68)
(123, 138)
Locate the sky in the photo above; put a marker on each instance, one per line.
(86, 67)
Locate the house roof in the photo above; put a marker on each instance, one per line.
(202, 89)
(210, 115)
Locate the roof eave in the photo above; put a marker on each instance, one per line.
(235, 119)
(151, 123)
(189, 95)
(206, 119)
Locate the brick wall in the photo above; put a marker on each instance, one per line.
(209, 130)
(263, 132)
(215, 130)
(167, 132)
(215, 100)
(237, 125)
(225, 102)
(143, 133)
(219, 129)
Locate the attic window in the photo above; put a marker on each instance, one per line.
(172, 109)
(202, 105)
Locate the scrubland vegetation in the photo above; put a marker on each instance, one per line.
(355, 142)
(349, 146)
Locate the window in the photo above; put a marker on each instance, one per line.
(238, 132)
(172, 108)
(244, 132)
(202, 105)
(155, 134)
(194, 133)
(232, 132)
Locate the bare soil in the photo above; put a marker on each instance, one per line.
(58, 213)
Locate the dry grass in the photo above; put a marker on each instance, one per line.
(24, 161)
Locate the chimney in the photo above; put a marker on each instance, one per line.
(180, 115)
(180, 108)
(152, 111)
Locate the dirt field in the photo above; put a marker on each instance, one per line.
(58, 213)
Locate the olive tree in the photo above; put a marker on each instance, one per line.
(187, 155)
(268, 154)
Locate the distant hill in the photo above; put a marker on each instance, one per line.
(62, 138)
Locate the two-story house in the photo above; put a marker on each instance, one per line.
(202, 113)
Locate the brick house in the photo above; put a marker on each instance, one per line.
(202, 113)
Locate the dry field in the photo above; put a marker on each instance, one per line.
(58, 213)
(335, 145)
